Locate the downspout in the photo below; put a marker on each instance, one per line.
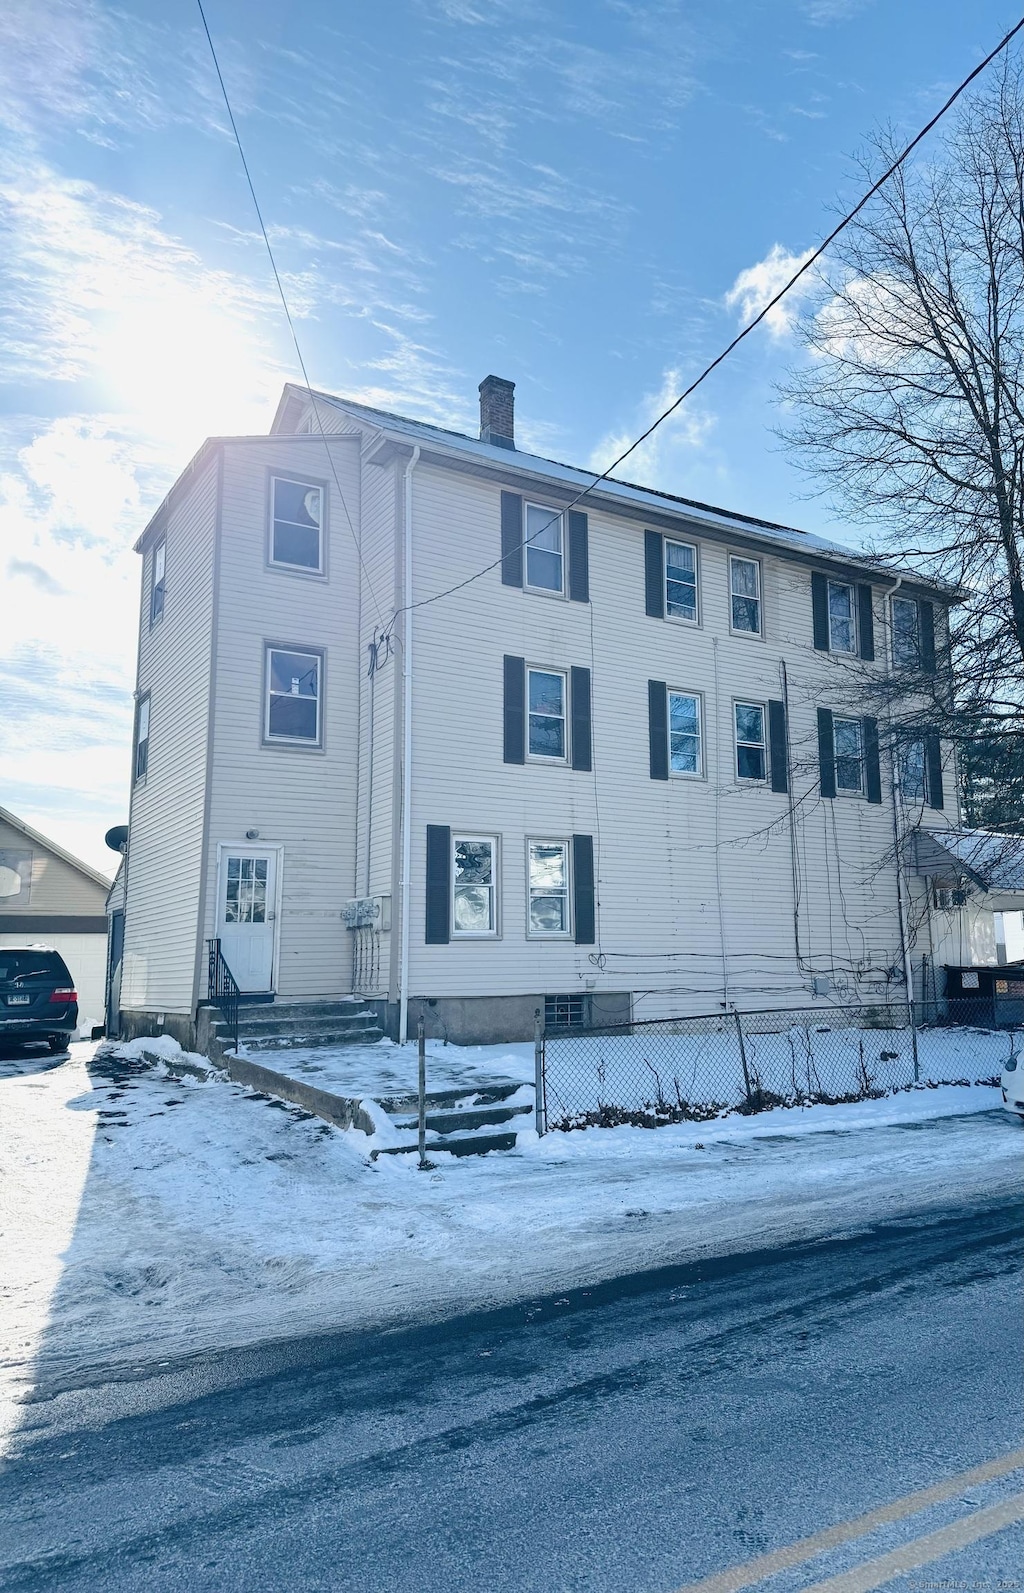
(403, 976)
(898, 838)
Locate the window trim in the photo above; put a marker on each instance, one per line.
(143, 704)
(548, 509)
(680, 619)
(280, 565)
(843, 652)
(845, 791)
(494, 840)
(547, 757)
(918, 798)
(565, 842)
(700, 773)
(747, 558)
(750, 779)
(899, 663)
(301, 743)
(157, 583)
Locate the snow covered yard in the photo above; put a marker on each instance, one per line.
(146, 1214)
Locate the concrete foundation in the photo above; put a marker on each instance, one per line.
(492, 1020)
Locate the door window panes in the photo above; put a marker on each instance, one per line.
(297, 516)
(544, 557)
(751, 753)
(745, 594)
(684, 733)
(293, 696)
(549, 887)
(473, 885)
(680, 580)
(246, 899)
(547, 714)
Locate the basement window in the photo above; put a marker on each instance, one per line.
(564, 1012)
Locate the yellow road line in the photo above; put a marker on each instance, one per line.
(741, 1576)
(922, 1551)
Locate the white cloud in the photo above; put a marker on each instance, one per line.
(665, 458)
(758, 284)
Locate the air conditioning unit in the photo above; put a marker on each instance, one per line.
(368, 912)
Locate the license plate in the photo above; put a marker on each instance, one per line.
(18, 1001)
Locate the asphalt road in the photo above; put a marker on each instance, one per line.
(637, 1436)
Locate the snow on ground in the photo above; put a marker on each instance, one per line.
(385, 1069)
(146, 1215)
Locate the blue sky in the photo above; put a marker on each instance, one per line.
(583, 197)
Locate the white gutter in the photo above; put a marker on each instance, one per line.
(902, 886)
(403, 1010)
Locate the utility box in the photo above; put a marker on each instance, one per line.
(368, 912)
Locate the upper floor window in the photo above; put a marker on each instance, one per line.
(912, 771)
(906, 633)
(545, 557)
(745, 595)
(681, 580)
(296, 524)
(751, 748)
(546, 735)
(292, 707)
(141, 737)
(548, 887)
(685, 738)
(842, 618)
(849, 751)
(157, 586)
(474, 884)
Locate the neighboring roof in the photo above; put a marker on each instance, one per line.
(992, 861)
(446, 440)
(51, 846)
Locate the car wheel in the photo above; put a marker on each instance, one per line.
(57, 1042)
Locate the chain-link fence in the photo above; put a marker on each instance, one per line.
(674, 1070)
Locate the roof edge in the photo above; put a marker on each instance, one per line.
(58, 851)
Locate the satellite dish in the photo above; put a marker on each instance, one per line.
(117, 838)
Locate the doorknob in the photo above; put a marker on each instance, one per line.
(271, 917)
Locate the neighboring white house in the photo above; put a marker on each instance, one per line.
(48, 897)
(412, 725)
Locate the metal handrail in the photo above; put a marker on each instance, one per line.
(222, 987)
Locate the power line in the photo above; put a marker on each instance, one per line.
(811, 260)
(284, 305)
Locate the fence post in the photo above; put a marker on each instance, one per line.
(538, 1070)
(743, 1057)
(913, 1040)
(421, 1043)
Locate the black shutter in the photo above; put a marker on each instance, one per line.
(511, 539)
(657, 724)
(654, 573)
(515, 710)
(819, 611)
(579, 557)
(583, 889)
(579, 710)
(933, 771)
(826, 753)
(866, 623)
(777, 749)
(872, 766)
(439, 873)
(926, 623)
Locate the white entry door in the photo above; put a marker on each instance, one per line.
(246, 916)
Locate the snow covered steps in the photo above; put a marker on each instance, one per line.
(461, 1122)
(284, 1027)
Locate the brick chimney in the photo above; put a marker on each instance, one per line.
(497, 412)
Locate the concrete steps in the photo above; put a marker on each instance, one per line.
(461, 1122)
(273, 1027)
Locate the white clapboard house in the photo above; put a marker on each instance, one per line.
(412, 726)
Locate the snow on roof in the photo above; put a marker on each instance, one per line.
(995, 861)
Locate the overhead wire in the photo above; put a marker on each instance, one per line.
(745, 331)
(285, 307)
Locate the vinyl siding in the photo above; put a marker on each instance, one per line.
(303, 799)
(57, 886)
(164, 863)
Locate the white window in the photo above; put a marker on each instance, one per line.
(292, 710)
(906, 633)
(546, 713)
(157, 587)
(680, 580)
(296, 524)
(842, 627)
(142, 737)
(545, 563)
(745, 595)
(548, 886)
(912, 771)
(849, 748)
(751, 751)
(474, 908)
(685, 750)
